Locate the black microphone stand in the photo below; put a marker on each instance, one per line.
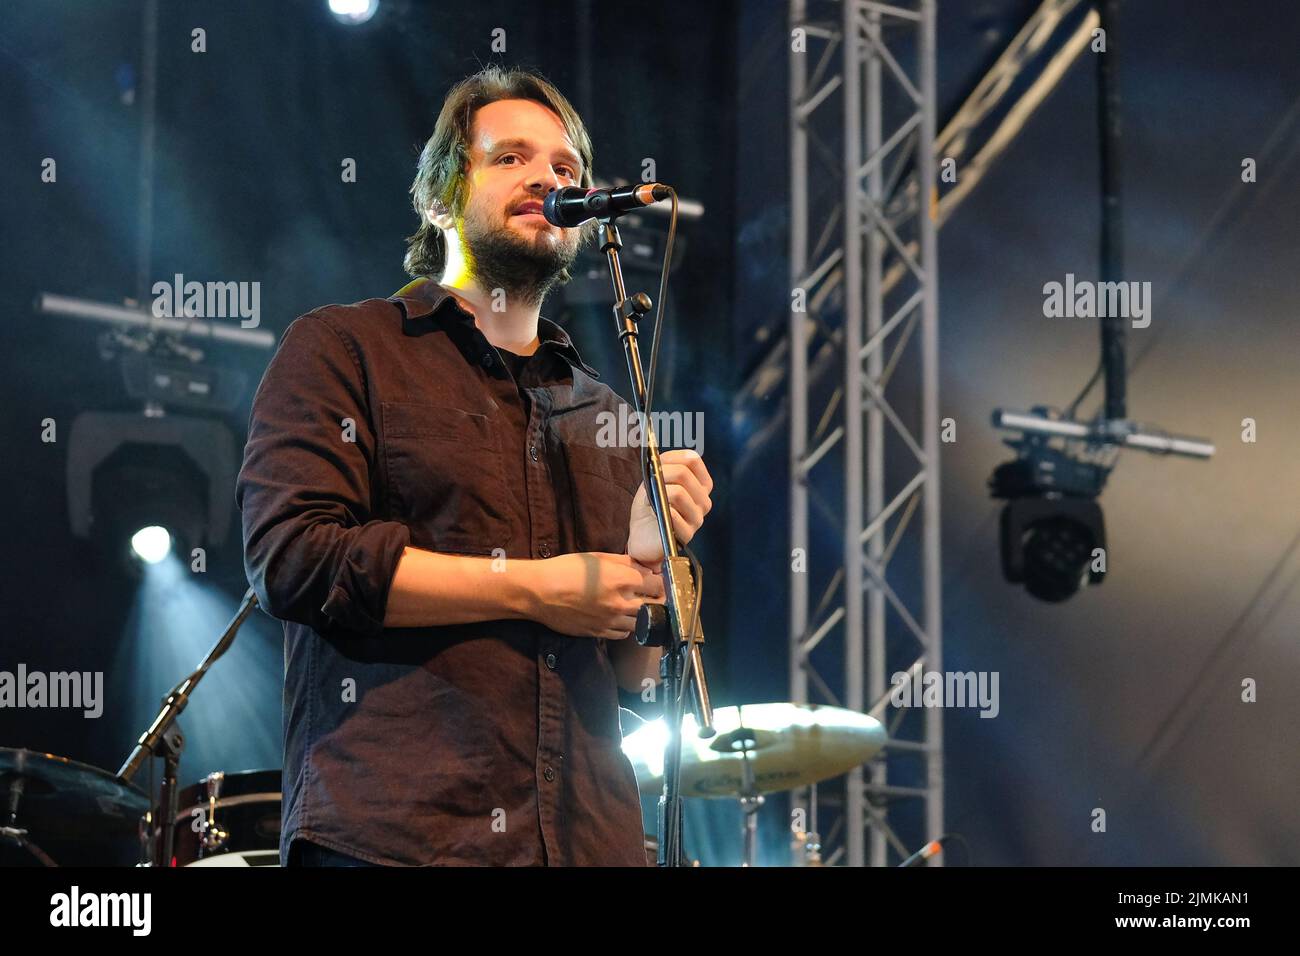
(675, 629)
(165, 739)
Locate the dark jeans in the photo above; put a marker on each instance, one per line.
(303, 853)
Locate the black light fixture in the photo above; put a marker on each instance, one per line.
(1052, 530)
(1053, 538)
(144, 484)
(132, 477)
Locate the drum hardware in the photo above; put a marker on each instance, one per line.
(806, 849)
(18, 837)
(749, 807)
(145, 833)
(213, 837)
(742, 741)
(230, 819)
(760, 748)
(806, 841)
(16, 834)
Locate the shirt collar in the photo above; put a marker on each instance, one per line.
(423, 298)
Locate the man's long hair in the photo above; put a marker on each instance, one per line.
(440, 178)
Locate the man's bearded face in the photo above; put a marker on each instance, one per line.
(519, 152)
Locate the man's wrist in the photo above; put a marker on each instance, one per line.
(528, 579)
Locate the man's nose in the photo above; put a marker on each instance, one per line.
(543, 177)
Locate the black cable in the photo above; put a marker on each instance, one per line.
(697, 569)
(660, 304)
(654, 341)
(1070, 409)
(1230, 204)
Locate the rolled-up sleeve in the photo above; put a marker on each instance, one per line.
(313, 551)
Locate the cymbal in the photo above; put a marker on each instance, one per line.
(786, 745)
(68, 798)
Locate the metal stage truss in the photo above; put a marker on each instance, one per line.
(864, 289)
(862, 111)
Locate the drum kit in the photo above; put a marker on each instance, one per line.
(760, 749)
(61, 812)
(86, 816)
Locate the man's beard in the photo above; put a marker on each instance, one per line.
(525, 269)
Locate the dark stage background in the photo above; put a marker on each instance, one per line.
(1126, 697)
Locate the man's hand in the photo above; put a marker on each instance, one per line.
(592, 594)
(688, 484)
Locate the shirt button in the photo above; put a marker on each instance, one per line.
(487, 360)
(544, 550)
(550, 661)
(532, 452)
(549, 774)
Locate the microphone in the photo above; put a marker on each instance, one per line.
(573, 205)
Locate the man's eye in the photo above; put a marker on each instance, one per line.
(568, 172)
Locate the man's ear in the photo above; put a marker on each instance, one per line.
(439, 215)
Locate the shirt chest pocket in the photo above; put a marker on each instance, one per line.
(444, 477)
(603, 485)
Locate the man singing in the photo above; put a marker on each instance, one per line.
(457, 561)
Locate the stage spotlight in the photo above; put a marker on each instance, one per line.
(141, 487)
(353, 12)
(152, 543)
(1053, 536)
(1051, 545)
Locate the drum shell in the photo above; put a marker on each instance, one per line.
(248, 808)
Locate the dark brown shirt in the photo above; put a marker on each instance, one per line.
(393, 422)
